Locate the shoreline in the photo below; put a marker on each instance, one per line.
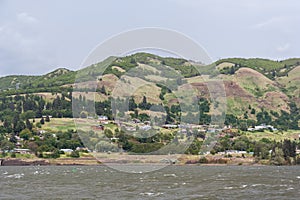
(184, 160)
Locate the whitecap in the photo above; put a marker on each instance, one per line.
(254, 185)
(151, 194)
(170, 175)
(15, 176)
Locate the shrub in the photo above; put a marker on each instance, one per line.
(203, 160)
(13, 155)
(75, 154)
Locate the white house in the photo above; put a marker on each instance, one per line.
(145, 128)
(66, 150)
(103, 118)
(262, 127)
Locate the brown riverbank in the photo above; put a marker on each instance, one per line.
(40, 162)
(133, 159)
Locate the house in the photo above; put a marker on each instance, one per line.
(45, 116)
(130, 128)
(147, 122)
(66, 150)
(22, 151)
(211, 130)
(42, 131)
(102, 118)
(262, 127)
(145, 128)
(114, 139)
(169, 126)
(136, 121)
(99, 127)
(82, 149)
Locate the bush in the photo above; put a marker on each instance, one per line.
(298, 160)
(75, 154)
(213, 152)
(13, 155)
(203, 160)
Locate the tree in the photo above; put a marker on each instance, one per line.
(108, 133)
(289, 149)
(28, 124)
(131, 104)
(83, 114)
(42, 121)
(104, 146)
(261, 150)
(240, 145)
(144, 105)
(75, 154)
(19, 127)
(55, 154)
(243, 126)
(102, 90)
(25, 134)
(47, 118)
(231, 70)
(277, 157)
(6, 146)
(7, 125)
(33, 147)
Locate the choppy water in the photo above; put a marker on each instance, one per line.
(174, 182)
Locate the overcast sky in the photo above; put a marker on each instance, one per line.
(37, 37)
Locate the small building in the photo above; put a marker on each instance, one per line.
(45, 116)
(145, 127)
(99, 127)
(114, 139)
(22, 151)
(42, 131)
(83, 149)
(67, 150)
(103, 119)
(262, 127)
(170, 126)
(136, 121)
(130, 128)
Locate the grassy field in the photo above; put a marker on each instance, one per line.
(276, 135)
(59, 124)
(65, 124)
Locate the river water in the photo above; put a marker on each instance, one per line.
(172, 182)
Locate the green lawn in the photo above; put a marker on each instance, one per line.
(59, 124)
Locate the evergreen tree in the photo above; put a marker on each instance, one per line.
(47, 118)
(42, 121)
(28, 124)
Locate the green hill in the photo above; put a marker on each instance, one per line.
(256, 83)
(162, 91)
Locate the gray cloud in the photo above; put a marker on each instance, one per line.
(37, 37)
